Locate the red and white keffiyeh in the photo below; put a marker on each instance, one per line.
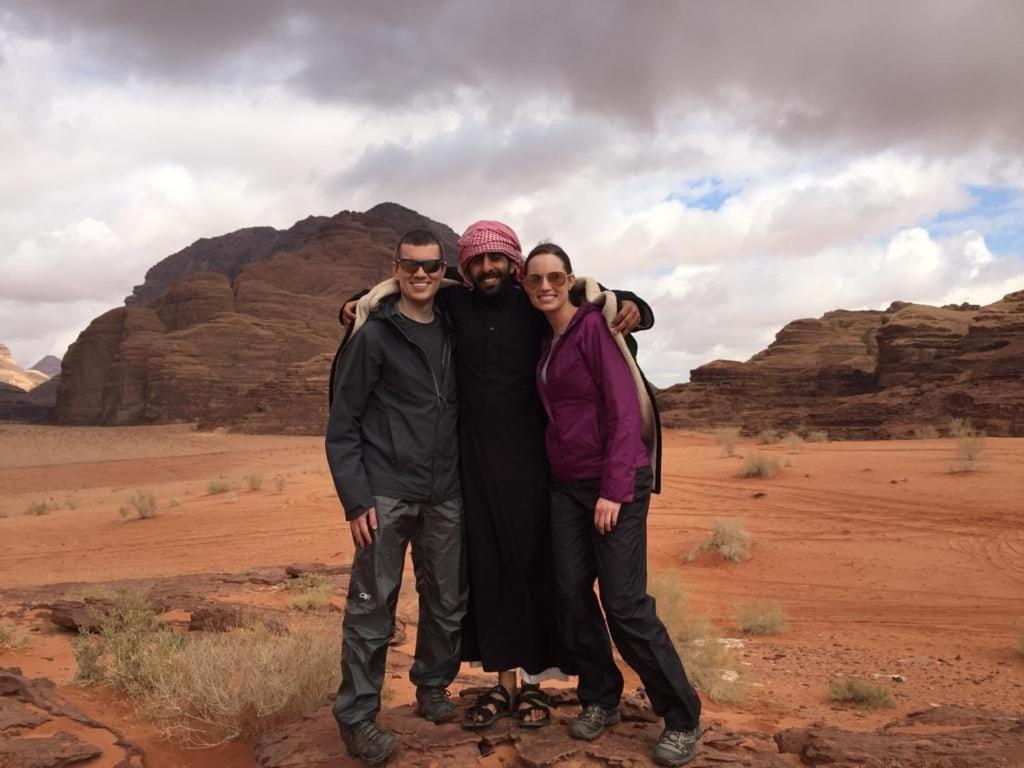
(490, 237)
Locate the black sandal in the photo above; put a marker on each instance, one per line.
(480, 715)
(532, 699)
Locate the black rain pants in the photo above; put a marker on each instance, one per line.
(618, 560)
(435, 532)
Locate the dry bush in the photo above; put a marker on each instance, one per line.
(144, 504)
(817, 436)
(759, 465)
(217, 485)
(860, 693)
(926, 432)
(314, 592)
(279, 483)
(726, 437)
(205, 689)
(71, 502)
(969, 445)
(729, 538)
(711, 665)
(12, 639)
(241, 683)
(761, 618)
(766, 437)
(173, 504)
(41, 507)
(255, 481)
(793, 441)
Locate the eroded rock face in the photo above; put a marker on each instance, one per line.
(14, 375)
(234, 331)
(870, 374)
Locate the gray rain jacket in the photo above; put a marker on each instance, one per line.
(393, 428)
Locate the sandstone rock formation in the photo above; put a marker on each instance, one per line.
(237, 330)
(13, 374)
(870, 374)
(48, 365)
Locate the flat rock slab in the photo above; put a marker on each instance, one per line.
(14, 714)
(60, 749)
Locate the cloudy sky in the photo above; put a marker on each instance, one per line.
(739, 163)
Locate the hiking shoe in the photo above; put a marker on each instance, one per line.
(432, 704)
(676, 747)
(592, 721)
(369, 742)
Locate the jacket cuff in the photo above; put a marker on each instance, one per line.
(619, 492)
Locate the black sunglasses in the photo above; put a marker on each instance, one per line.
(411, 266)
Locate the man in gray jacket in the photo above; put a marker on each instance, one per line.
(393, 451)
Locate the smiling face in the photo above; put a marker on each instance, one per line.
(547, 283)
(488, 272)
(421, 286)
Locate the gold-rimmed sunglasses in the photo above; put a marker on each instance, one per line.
(555, 279)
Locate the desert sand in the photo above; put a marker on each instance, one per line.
(885, 562)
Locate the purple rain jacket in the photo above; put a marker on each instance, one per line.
(594, 422)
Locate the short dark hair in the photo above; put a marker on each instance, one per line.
(552, 249)
(418, 236)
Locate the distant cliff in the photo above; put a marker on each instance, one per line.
(870, 374)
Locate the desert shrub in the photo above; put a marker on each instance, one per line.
(860, 693)
(766, 437)
(41, 507)
(925, 432)
(12, 639)
(238, 684)
(88, 658)
(314, 592)
(71, 502)
(279, 483)
(759, 465)
(144, 504)
(217, 485)
(711, 665)
(726, 437)
(817, 436)
(307, 582)
(255, 481)
(729, 538)
(173, 503)
(793, 441)
(761, 618)
(969, 445)
(205, 689)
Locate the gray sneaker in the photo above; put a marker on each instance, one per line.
(369, 742)
(676, 747)
(592, 721)
(432, 704)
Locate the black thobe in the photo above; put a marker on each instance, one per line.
(510, 620)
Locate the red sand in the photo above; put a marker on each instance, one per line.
(885, 562)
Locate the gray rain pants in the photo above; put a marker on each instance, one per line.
(435, 532)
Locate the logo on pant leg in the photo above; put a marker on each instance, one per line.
(364, 596)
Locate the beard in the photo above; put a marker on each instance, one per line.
(495, 288)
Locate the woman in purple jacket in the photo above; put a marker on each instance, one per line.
(600, 491)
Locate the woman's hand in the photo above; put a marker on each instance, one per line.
(606, 515)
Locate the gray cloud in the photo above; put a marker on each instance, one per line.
(938, 73)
